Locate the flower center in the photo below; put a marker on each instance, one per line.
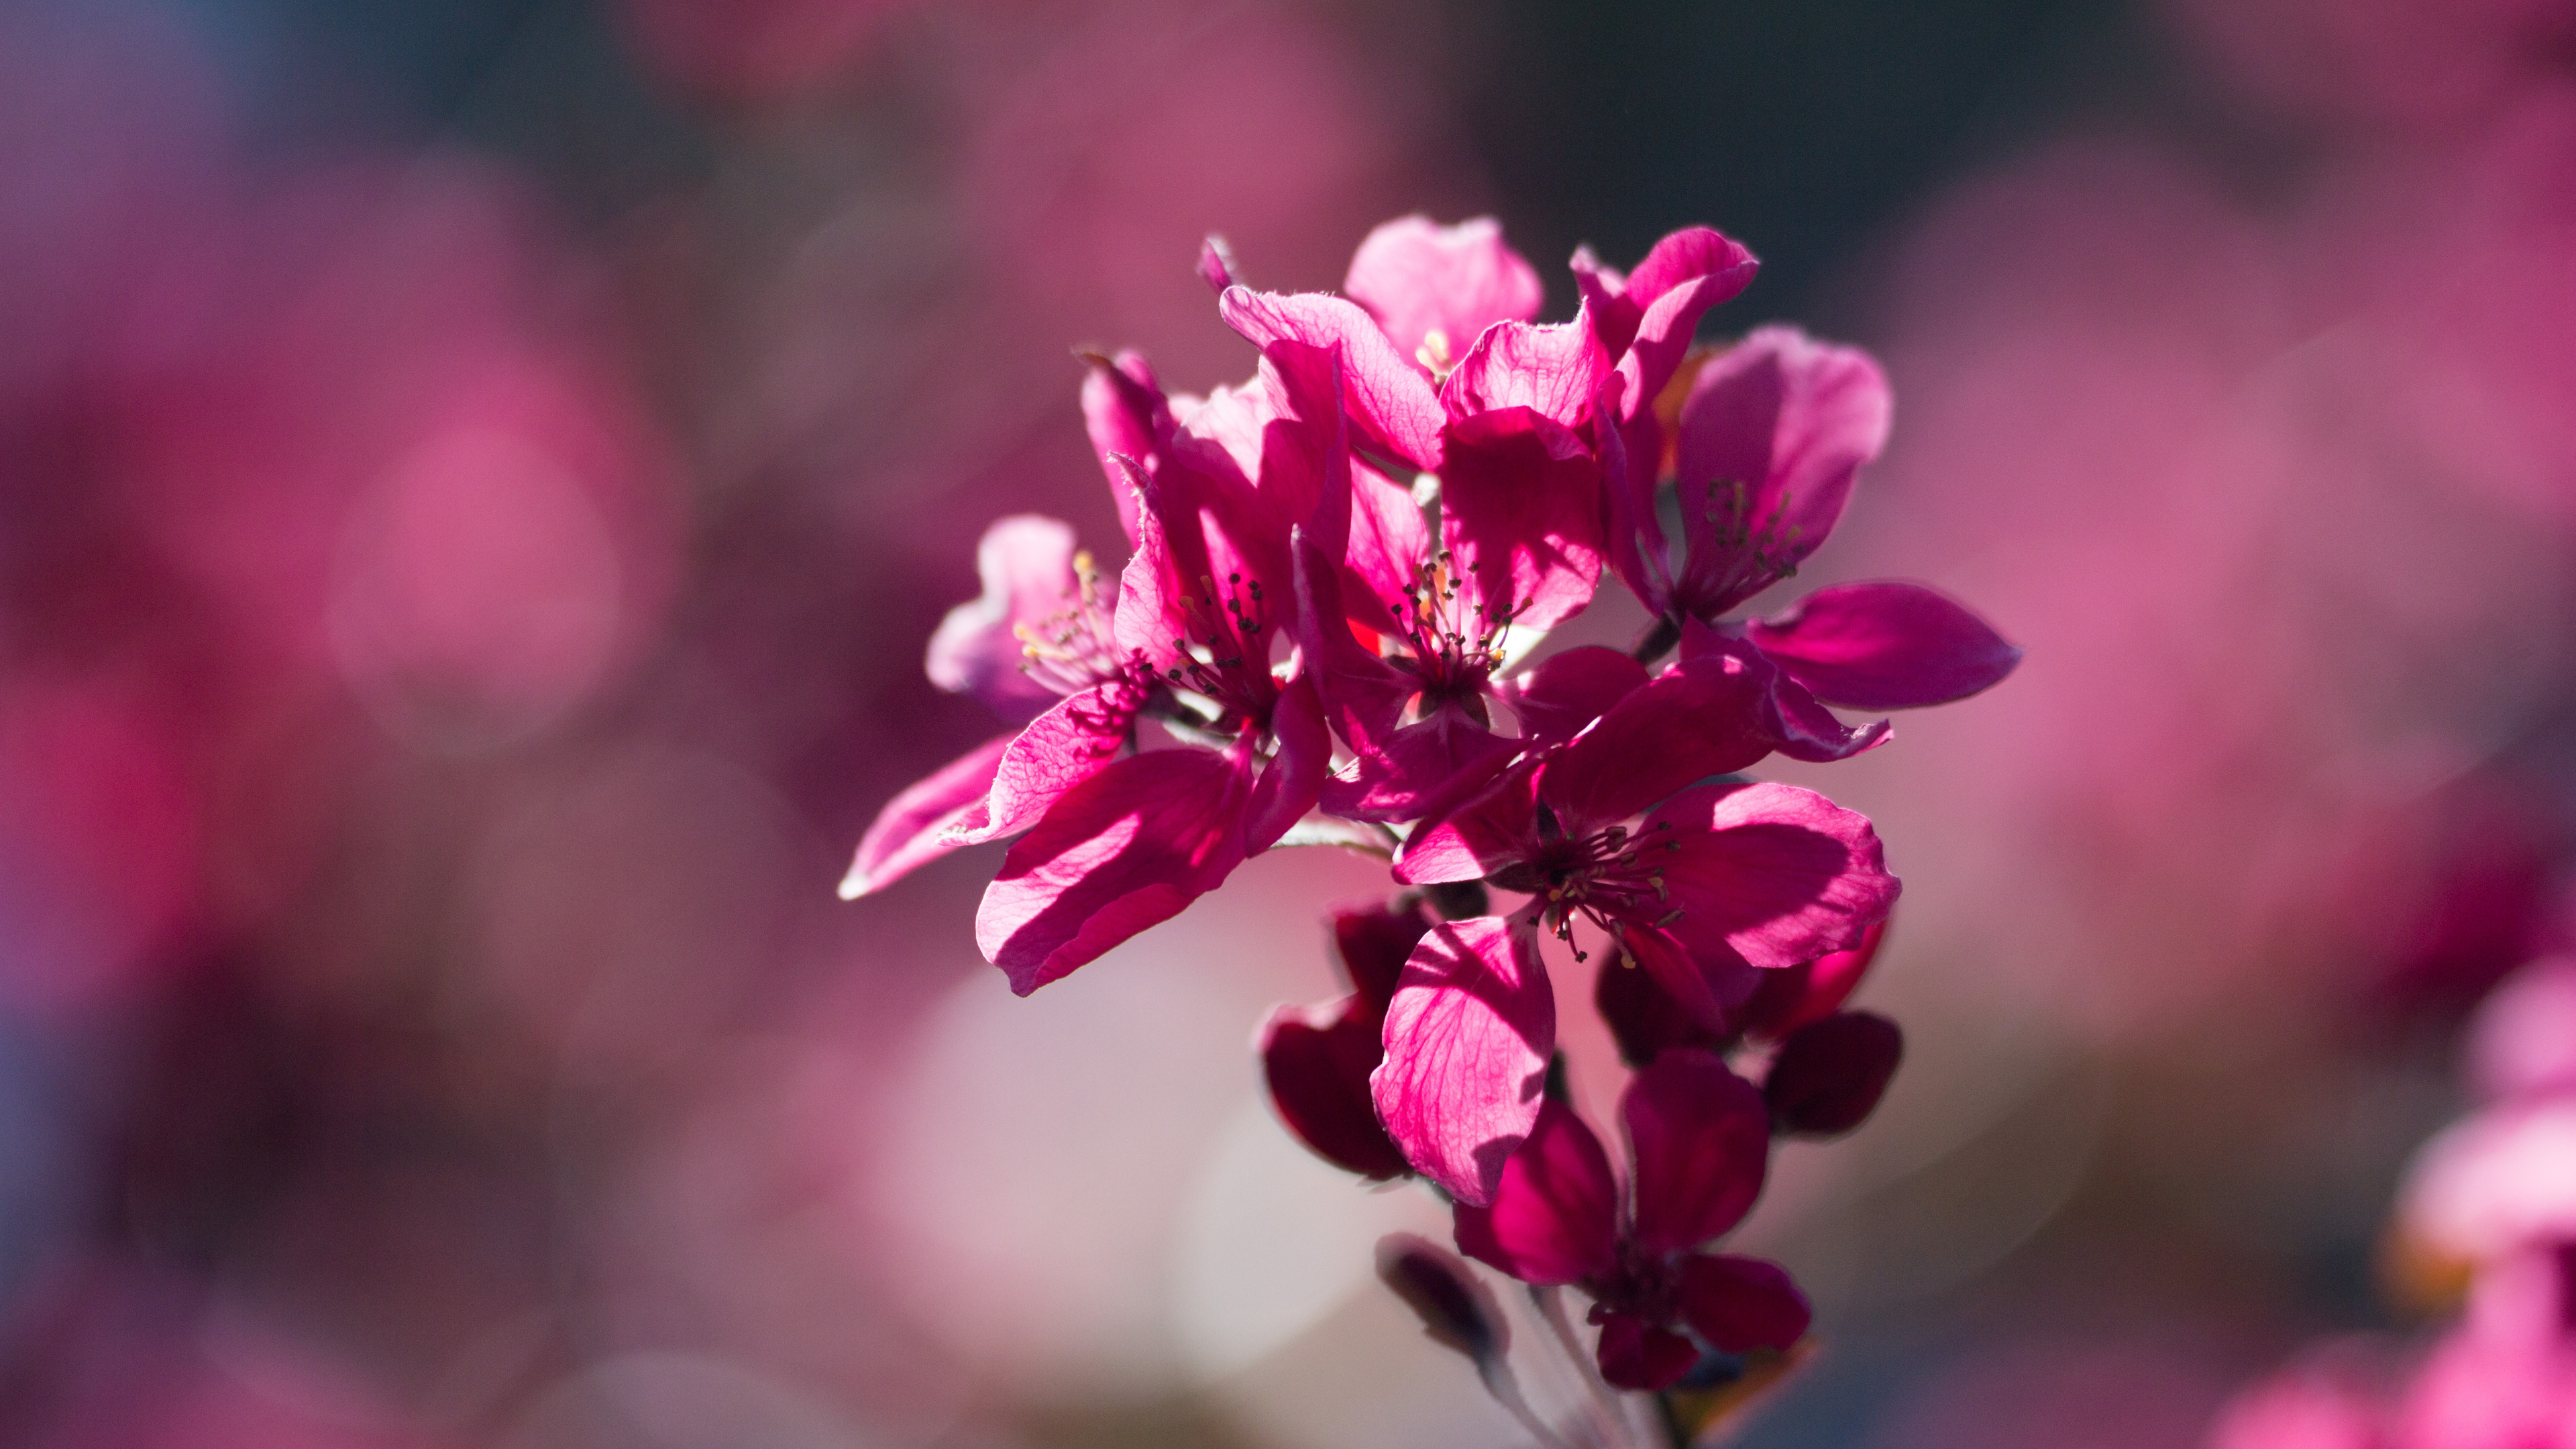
(1456, 645)
(1608, 878)
(1225, 656)
(1073, 648)
(1750, 554)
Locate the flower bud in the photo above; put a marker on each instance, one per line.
(1456, 1308)
(1830, 1073)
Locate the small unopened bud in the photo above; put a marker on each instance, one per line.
(1216, 264)
(1456, 1310)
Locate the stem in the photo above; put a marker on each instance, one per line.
(1601, 1402)
(1658, 640)
(1497, 1376)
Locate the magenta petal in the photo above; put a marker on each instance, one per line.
(1520, 506)
(1552, 370)
(1830, 1073)
(1685, 275)
(1819, 988)
(1419, 278)
(1701, 1141)
(1124, 411)
(1777, 874)
(1373, 943)
(1392, 403)
(1885, 646)
(1405, 775)
(1564, 692)
(1316, 1062)
(1216, 264)
(1059, 750)
(1605, 300)
(1635, 1354)
(1789, 717)
(1488, 831)
(1790, 421)
(1128, 848)
(907, 833)
(1687, 724)
(1468, 1035)
(1025, 563)
(1302, 751)
(1741, 1304)
(1555, 1214)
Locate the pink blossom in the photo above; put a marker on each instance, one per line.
(1715, 879)
(1699, 1146)
(1316, 1060)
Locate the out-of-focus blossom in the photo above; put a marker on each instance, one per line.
(2419, 65)
(1699, 1145)
(760, 52)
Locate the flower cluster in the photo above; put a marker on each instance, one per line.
(1338, 575)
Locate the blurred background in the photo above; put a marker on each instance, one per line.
(476, 480)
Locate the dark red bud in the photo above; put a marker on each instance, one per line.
(1316, 1062)
(1830, 1074)
(1373, 943)
(1456, 1308)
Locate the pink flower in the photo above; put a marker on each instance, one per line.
(1771, 437)
(1765, 1006)
(1699, 1145)
(1041, 641)
(1316, 1060)
(1202, 604)
(1716, 878)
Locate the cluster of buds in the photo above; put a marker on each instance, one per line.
(1327, 630)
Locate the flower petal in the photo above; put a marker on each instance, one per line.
(1777, 874)
(1124, 410)
(1789, 716)
(1564, 692)
(1555, 1214)
(1417, 277)
(1553, 370)
(1059, 750)
(1128, 848)
(1520, 502)
(1741, 1304)
(1790, 998)
(1885, 646)
(1468, 1035)
(1373, 942)
(1302, 752)
(1406, 774)
(1392, 403)
(907, 832)
(1694, 720)
(1635, 1354)
(1686, 274)
(1316, 1062)
(1830, 1073)
(1701, 1141)
(1647, 1019)
(1216, 264)
(1490, 830)
(1026, 565)
(1773, 433)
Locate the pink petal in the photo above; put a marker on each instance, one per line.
(1490, 830)
(1392, 403)
(1316, 1062)
(1026, 565)
(1885, 646)
(1364, 696)
(1520, 504)
(1555, 1214)
(1643, 1017)
(1630, 454)
(1148, 622)
(1635, 1354)
(1777, 874)
(1789, 716)
(1404, 775)
(1741, 1304)
(1685, 275)
(1059, 750)
(1124, 411)
(907, 832)
(1302, 752)
(1554, 371)
(1564, 692)
(1695, 720)
(1701, 1142)
(1468, 1035)
(1374, 942)
(1789, 999)
(1830, 1073)
(1790, 421)
(1417, 277)
(1604, 290)
(1128, 848)
(1216, 264)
